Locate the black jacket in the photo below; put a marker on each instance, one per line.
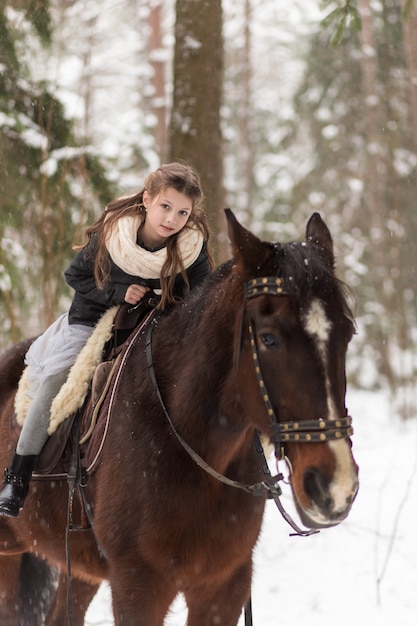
(90, 302)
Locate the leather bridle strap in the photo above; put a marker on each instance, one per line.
(308, 431)
(275, 493)
(313, 431)
(266, 285)
(257, 489)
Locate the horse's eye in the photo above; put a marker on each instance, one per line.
(270, 341)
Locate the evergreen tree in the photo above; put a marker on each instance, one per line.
(48, 181)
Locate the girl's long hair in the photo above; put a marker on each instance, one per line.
(184, 179)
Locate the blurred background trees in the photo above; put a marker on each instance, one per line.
(49, 177)
(94, 94)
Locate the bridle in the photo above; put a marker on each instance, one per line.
(310, 431)
(306, 431)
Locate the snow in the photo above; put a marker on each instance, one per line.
(363, 571)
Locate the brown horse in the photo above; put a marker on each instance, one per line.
(260, 346)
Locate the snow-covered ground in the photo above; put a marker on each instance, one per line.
(362, 572)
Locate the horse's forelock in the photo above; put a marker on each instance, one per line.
(306, 275)
(301, 269)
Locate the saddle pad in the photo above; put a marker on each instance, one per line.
(56, 454)
(72, 395)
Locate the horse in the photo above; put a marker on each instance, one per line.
(178, 495)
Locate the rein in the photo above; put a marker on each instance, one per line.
(269, 487)
(257, 489)
(309, 431)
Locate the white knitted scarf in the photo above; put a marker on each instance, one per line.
(135, 260)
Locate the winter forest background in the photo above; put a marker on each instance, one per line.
(285, 108)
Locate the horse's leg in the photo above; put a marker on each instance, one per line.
(9, 590)
(82, 593)
(208, 605)
(140, 596)
(27, 585)
(32, 593)
(37, 582)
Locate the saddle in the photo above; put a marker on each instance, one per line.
(81, 435)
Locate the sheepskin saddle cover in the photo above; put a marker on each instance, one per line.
(74, 391)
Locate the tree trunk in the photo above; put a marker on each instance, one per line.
(157, 61)
(246, 115)
(410, 46)
(375, 173)
(195, 128)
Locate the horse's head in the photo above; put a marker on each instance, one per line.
(297, 326)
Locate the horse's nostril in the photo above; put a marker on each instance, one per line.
(316, 487)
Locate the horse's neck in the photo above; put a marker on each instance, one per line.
(203, 389)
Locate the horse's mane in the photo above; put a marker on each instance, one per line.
(200, 298)
(11, 366)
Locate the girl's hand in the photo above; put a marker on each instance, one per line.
(135, 293)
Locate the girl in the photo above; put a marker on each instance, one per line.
(155, 240)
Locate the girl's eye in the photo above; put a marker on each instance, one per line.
(184, 213)
(165, 206)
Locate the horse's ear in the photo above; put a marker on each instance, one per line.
(319, 235)
(248, 251)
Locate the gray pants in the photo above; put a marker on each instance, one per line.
(35, 429)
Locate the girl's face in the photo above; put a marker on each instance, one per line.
(166, 214)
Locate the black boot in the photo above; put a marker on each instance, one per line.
(16, 484)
